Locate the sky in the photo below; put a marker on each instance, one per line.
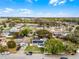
(39, 8)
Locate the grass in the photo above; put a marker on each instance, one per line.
(32, 49)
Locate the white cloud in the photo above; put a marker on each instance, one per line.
(24, 12)
(58, 2)
(36, 0)
(15, 12)
(54, 2)
(71, 0)
(8, 10)
(62, 2)
(42, 14)
(63, 14)
(31, 1)
(53, 14)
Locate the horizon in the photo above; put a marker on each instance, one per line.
(36, 17)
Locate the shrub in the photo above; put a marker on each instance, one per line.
(1, 49)
(11, 44)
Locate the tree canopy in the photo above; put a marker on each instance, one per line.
(54, 46)
(25, 32)
(1, 49)
(74, 37)
(11, 44)
(44, 33)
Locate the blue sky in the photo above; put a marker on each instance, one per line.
(39, 8)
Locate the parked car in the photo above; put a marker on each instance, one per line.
(28, 53)
(5, 53)
(63, 58)
(73, 53)
(18, 47)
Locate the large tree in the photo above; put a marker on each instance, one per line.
(25, 32)
(54, 46)
(74, 36)
(44, 33)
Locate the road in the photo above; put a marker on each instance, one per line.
(20, 55)
(36, 56)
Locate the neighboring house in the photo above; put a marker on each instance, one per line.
(2, 41)
(38, 42)
(5, 33)
(60, 34)
(14, 29)
(19, 42)
(22, 41)
(19, 25)
(32, 25)
(23, 44)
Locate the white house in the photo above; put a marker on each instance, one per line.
(14, 29)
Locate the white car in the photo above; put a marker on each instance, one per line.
(5, 53)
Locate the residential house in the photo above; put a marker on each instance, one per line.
(39, 42)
